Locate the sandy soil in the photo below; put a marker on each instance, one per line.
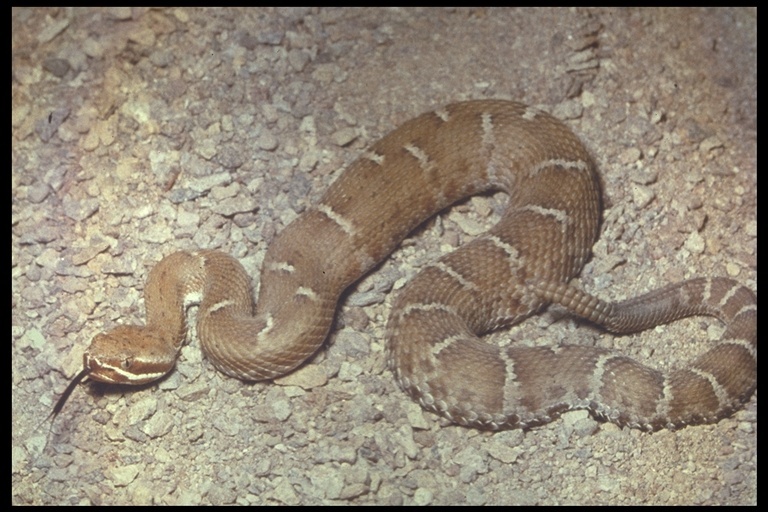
(139, 132)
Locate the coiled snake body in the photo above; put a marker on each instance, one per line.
(522, 264)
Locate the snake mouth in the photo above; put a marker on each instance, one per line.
(124, 370)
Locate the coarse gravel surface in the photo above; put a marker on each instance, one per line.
(137, 132)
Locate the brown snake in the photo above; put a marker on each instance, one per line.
(518, 267)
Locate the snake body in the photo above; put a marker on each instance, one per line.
(522, 264)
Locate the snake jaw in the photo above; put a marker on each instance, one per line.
(126, 370)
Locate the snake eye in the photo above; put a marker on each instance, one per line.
(126, 363)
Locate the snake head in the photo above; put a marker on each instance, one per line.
(122, 356)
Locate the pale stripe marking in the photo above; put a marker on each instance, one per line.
(129, 377)
(511, 393)
(722, 395)
(504, 246)
(268, 325)
(596, 378)
(746, 309)
(374, 157)
(489, 139)
(513, 256)
(580, 165)
(343, 223)
(560, 216)
(663, 406)
(733, 290)
(281, 266)
(219, 305)
(443, 267)
(745, 344)
(531, 113)
(442, 114)
(447, 342)
(420, 155)
(306, 292)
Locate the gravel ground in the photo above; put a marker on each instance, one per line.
(139, 132)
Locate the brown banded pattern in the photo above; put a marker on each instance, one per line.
(522, 264)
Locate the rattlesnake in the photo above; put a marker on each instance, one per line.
(522, 264)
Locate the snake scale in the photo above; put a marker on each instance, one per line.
(521, 265)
